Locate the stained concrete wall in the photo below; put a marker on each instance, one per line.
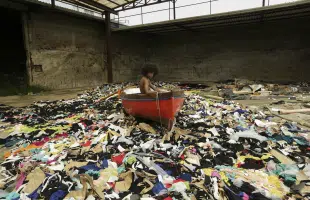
(277, 51)
(70, 50)
(72, 54)
(130, 52)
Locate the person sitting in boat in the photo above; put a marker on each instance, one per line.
(148, 72)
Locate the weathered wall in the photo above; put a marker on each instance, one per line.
(271, 51)
(70, 50)
(129, 55)
(72, 54)
(276, 51)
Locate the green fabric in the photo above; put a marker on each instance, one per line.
(130, 160)
(281, 170)
(93, 173)
(121, 169)
(12, 195)
(289, 180)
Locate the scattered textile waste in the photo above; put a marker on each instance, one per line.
(88, 148)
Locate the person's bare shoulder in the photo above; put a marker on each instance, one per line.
(144, 80)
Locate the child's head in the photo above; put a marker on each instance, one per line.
(149, 71)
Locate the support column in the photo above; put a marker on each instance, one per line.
(210, 7)
(141, 15)
(264, 3)
(174, 13)
(53, 3)
(108, 46)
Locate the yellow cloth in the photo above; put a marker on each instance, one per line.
(208, 172)
(35, 178)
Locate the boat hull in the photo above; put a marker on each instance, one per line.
(162, 110)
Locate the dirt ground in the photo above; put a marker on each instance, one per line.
(25, 100)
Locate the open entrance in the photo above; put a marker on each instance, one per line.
(13, 71)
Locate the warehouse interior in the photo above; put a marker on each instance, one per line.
(212, 107)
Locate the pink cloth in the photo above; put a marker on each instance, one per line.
(245, 196)
(216, 174)
(20, 181)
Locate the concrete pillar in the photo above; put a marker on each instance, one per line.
(108, 46)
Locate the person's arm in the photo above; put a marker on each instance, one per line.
(154, 88)
(147, 85)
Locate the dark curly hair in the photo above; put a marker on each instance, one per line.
(149, 68)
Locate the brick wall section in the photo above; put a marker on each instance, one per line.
(70, 50)
(276, 51)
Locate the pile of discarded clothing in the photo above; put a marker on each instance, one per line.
(87, 148)
(257, 90)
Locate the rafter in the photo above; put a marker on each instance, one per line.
(99, 5)
(114, 2)
(138, 4)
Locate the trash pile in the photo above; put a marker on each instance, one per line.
(255, 90)
(87, 148)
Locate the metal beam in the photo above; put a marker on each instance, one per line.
(81, 4)
(114, 2)
(264, 3)
(138, 4)
(99, 5)
(53, 3)
(108, 46)
(174, 12)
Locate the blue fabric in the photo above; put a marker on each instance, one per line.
(185, 141)
(105, 163)
(91, 167)
(10, 143)
(186, 177)
(169, 172)
(301, 141)
(158, 187)
(240, 111)
(58, 195)
(34, 194)
(291, 127)
(240, 128)
(288, 139)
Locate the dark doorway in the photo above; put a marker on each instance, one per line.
(13, 71)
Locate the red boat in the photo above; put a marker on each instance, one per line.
(162, 109)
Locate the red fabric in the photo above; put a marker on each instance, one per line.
(112, 185)
(51, 161)
(118, 159)
(61, 135)
(42, 142)
(168, 186)
(239, 165)
(86, 144)
(182, 157)
(168, 198)
(178, 180)
(84, 124)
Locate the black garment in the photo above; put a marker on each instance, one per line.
(250, 163)
(231, 194)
